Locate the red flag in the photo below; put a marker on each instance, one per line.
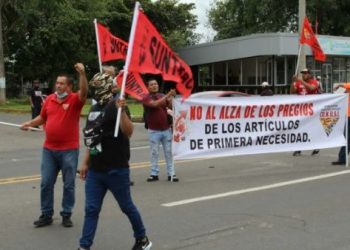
(111, 47)
(308, 37)
(134, 85)
(151, 54)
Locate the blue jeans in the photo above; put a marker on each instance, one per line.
(155, 138)
(96, 186)
(342, 154)
(52, 162)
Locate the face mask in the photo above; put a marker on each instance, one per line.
(62, 95)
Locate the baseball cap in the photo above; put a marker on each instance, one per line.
(265, 84)
(100, 86)
(306, 70)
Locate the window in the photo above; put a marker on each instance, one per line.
(348, 70)
(205, 75)
(220, 73)
(339, 70)
(280, 61)
(234, 72)
(291, 63)
(249, 68)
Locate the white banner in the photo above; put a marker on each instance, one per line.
(227, 126)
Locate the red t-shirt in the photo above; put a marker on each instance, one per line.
(62, 122)
(156, 117)
(301, 90)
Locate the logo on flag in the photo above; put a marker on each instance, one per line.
(111, 47)
(329, 117)
(151, 54)
(180, 127)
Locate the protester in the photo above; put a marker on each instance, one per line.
(106, 163)
(159, 129)
(320, 88)
(266, 91)
(60, 114)
(307, 85)
(35, 98)
(342, 155)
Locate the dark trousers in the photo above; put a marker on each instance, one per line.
(342, 155)
(96, 186)
(36, 111)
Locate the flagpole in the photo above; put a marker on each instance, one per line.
(298, 60)
(98, 46)
(127, 63)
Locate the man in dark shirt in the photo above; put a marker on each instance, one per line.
(265, 89)
(159, 130)
(106, 163)
(35, 98)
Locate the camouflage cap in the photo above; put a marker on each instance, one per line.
(101, 86)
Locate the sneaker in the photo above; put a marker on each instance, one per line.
(315, 152)
(142, 244)
(338, 163)
(297, 153)
(174, 179)
(66, 221)
(44, 220)
(153, 178)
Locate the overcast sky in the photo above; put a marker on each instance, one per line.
(202, 7)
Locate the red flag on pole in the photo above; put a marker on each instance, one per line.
(308, 37)
(134, 85)
(151, 54)
(114, 48)
(111, 47)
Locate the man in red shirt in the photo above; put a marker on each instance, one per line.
(60, 114)
(307, 85)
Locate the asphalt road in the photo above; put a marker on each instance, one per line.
(256, 202)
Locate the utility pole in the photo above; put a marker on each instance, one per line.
(2, 61)
(302, 11)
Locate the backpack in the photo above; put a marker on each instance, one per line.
(93, 128)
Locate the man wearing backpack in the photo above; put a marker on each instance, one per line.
(159, 129)
(106, 163)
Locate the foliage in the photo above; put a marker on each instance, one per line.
(232, 18)
(43, 38)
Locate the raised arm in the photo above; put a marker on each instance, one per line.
(162, 101)
(83, 83)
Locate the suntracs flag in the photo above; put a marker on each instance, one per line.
(114, 48)
(308, 37)
(111, 47)
(134, 85)
(151, 54)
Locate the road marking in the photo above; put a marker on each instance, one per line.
(254, 189)
(136, 165)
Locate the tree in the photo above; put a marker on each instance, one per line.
(50, 36)
(232, 18)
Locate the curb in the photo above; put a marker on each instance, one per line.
(17, 111)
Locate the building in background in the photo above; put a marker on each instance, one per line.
(243, 63)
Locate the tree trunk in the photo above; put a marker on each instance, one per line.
(2, 61)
